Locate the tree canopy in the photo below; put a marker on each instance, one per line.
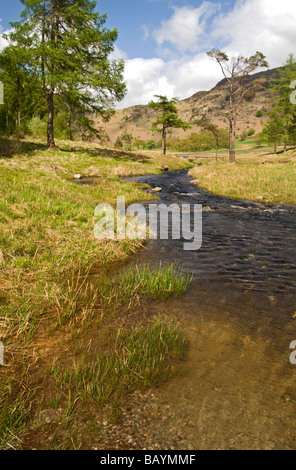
(64, 44)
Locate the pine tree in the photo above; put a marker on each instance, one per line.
(66, 44)
(274, 130)
(282, 105)
(22, 89)
(167, 117)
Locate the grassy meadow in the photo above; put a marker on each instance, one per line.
(76, 334)
(257, 174)
(69, 346)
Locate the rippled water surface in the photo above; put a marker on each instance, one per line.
(239, 390)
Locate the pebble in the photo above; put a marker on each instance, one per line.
(156, 190)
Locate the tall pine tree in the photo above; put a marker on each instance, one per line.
(66, 44)
(282, 105)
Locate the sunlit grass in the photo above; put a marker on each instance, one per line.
(56, 281)
(272, 182)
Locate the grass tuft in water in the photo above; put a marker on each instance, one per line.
(153, 282)
(141, 357)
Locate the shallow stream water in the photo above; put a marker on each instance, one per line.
(239, 388)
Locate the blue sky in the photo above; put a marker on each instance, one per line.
(164, 42)
(132, 18)
(135, 18)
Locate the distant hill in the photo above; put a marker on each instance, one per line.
(213, 104)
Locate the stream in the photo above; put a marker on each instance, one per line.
(238, 390)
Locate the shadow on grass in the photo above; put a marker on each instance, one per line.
(119, 155)
(11, 146)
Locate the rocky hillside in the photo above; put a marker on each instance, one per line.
(213, 104)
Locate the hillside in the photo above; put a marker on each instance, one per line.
(213, 104)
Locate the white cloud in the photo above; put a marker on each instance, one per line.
(192, 74)
(146, 32)
(118, 54)
(145, 77)
(3, 42)
(182, 78)
(185, 27)
(264, 25)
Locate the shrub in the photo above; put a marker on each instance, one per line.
(138, 143)
(150, 144)
(250, 95)
(243, 135)
(118, 143)
(37, 127)
(203, 141)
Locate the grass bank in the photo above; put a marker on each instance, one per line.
(258, 177)
(63, 312)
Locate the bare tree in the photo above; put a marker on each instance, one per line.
(235, 71)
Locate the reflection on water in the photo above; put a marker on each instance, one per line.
(240, 389)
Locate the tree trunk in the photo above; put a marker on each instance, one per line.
(7, 118)
(231, 130)
(18, 117)
(231, 140)
(50, 135)
(217, 143)
(163, 150)
(286, 135)
(70, 130)
(17, 121)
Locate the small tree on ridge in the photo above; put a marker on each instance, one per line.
(167, 117)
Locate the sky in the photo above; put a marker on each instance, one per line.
(164, 42)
